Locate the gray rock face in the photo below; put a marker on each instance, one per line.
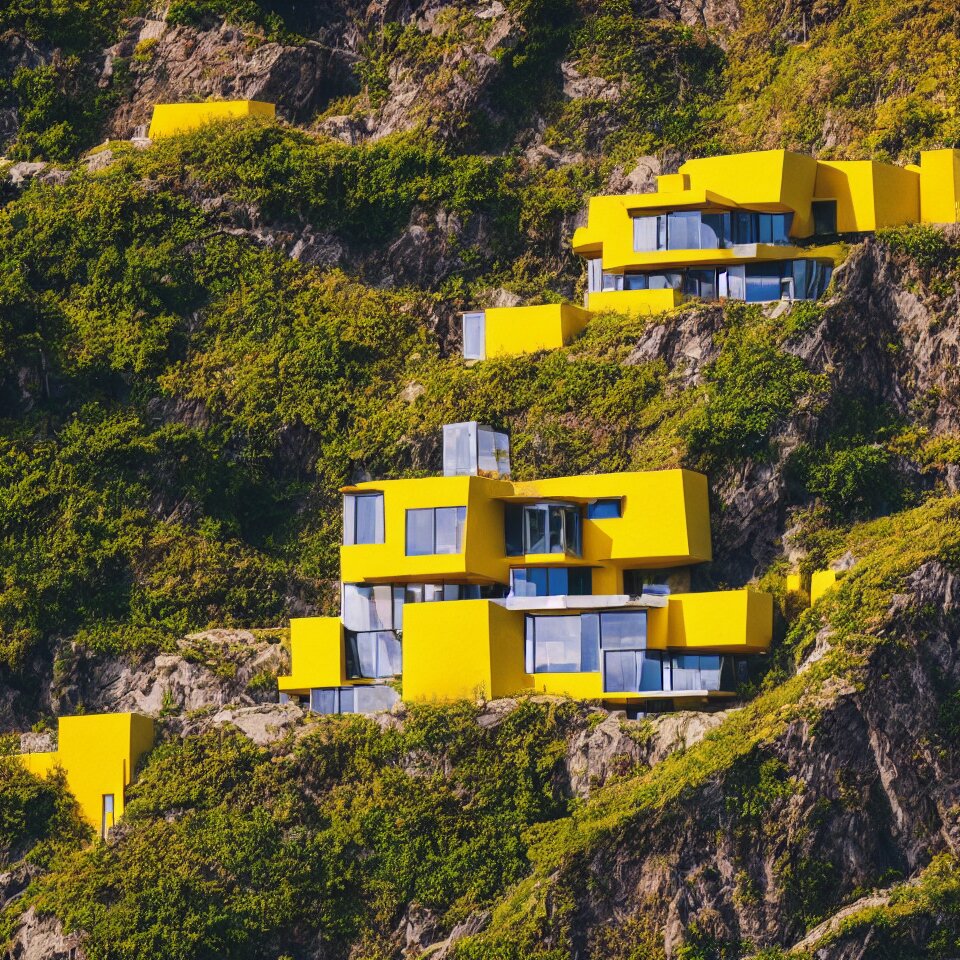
(40, 937)
(210, 669)
(182, 63)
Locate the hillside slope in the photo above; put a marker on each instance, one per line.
(202, 340)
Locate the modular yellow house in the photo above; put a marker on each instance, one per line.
(173, 118)
(473, 584)
(99, 755)
(756, 227)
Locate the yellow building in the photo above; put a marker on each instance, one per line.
(756, 227)
(473, 584)
(173, 118)
(99, 755)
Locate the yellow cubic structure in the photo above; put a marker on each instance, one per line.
(99, 755)
(758, 227)
(170, 119)
(474, 584)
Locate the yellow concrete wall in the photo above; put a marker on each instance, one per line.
(665, 522)
(461, 649)
(771, 180)
(173, 118)
(869, 195)
(317, 653)
(482, 557)
(940, 186)
(99, 754)
(639, 303)
(513, 330)
(726, 621)
(820, 582)
(794, 583)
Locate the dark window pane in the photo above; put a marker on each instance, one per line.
(557, 581)
(513, 530)
(633, 582)
(824, 216)
(556, 530)
(609, 509)
(580, 581)
(346, 700)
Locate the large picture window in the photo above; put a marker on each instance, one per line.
(542, 528)
(362, 518)
(435, 530)
(561, 645)
(370, 698)
(373, 656)
(367, 607)
(551, 581)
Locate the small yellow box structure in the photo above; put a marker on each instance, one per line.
(472, 584)
(99, 755)
(170, 119)
(757, 227)
(821, 581)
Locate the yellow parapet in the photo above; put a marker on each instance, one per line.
(465, 649)
(173, 118)
(511, 330)
(940, 186)
(317, 653)
(820, 582)
(664, 522)
(869, 195)
(99, 754)
(728, 621)
(634, 302)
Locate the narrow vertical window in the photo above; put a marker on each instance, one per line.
(107, 816)
(362, 518)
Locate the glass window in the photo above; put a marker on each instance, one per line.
(419, 532)
(362, 518)
(665, 281)
(608, 509)
(594, 275)
(324, 700)
(612, 281)
(347, 701)
(535, 529)
(513, 530)
(589, 643)
(551, 581)
(474, 336)
(435, 530)
(763, 282)
(557, 529)
(634, 281)
(373, 656)
(701, 283)
(824, 217)
(714, 231)
(683, 230)
(621, 629)
(366, 607)
(398, 594)
(375, 698)
(646, 233)
(632, 671)
(449, 527)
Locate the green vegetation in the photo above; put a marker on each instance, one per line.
(38, 817)
(231, 850)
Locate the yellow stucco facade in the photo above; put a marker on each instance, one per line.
(759, 227)
(170, 119)
(99, 755)
(553, 585)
